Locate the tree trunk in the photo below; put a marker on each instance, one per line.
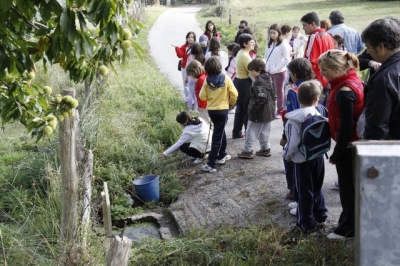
(118, 254)
(69, 175)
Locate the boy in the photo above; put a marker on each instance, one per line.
(261, 110)
(221, 95)
(309, 175)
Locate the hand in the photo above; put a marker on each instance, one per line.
(162, 156)
(283, 142)
(331, 162)
(375, 65)
(174, 46)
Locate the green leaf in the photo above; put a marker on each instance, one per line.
(6, 5)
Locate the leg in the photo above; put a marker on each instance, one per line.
(263, 137)
(185, 87)
(320, 211)
(191, 101)
(289, 171)
(243, 87)
(192, 152)
(218, 144)
(252, 132)
(279, 82)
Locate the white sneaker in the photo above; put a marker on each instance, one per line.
(223, 160)
(292, 205)
(293, 211)
(207, 168)
(198, 160)
(336, 237)
(335, 184)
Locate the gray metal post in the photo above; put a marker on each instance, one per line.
(377, 172)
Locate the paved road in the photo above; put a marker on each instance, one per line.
(213, 199)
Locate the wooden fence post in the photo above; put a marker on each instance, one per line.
(118, 254)
(106, 215)
(69, 175)
(87, 195)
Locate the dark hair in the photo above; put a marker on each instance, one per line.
(285, 28)
(275, 27)
(197, 51)
(214, 47)
(214, 29)
(185, 118)
(336, 17)
(230, 46)
(310, 18)
(213, 66)
(245, 38)
(308, 92)
(236, 50)
(248, 30)
(257, 64)
(301, 68)
(386, 31)
(194, 68)
(339, 40)
(295, 28)
(243, 22)
(325, 24)
(187, 36)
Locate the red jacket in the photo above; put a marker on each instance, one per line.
(352, 81)
(199, 85)
(319, 42)
(183, 52)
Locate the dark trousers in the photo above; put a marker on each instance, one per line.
(345, 171)
(218, 144)
(242, 105)
(289, 171)
(192, 152)
(309, 177)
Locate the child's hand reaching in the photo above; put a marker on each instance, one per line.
(283, 142)
(162, 156)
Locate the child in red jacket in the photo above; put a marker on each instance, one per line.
(196, 71)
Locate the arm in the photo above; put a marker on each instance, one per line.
(233, 93)
(292, 132)
(291, 102)
(345, 99)
(203, 92)
(180, 51)
(182, 140)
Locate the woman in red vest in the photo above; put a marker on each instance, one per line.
(345, 105)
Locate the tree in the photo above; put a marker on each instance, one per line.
(82, 36)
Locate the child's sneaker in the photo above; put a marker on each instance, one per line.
(197, 160)
(223, 160)
(336, 237)
(266, 153)
(292, 205)
(293, 211)
(207, 168)
(246, 155)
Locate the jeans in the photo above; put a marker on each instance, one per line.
(242, 104)
(218, 144)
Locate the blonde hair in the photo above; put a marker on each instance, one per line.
(194, 68)
(339, 60)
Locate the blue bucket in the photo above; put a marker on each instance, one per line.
(148, 188)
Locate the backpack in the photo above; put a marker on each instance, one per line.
(315, 138)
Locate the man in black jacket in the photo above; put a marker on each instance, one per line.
(242, 25)
(382, 106)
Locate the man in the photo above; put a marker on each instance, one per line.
(242, 25)
(318, 43)
(352, 39)
(382, 106)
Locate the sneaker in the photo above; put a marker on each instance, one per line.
(278, 117)
(292, 205)
(266, 153)
(207, 168)
(246, 155)
(293, 211)
(241, 136)
(336, 237)
(198, 160)
(335, 184)
(223, 160)
(232, 111)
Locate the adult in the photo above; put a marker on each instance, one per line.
(352, 39)
(382, 107)
(345, 105)
(184, 52)
(242, 83)
(211, 31)
(242, 25)
(253, 53)
(277, 58)
(318, 43)
(299, 42)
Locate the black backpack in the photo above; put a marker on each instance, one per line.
(315, 138)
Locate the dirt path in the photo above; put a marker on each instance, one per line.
(241, 192)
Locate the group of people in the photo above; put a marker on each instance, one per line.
(321, 78)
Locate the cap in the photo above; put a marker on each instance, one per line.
(203, 39)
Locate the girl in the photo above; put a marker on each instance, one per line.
(277, 57)
(196, 53)
(345, 105)
(211, 30)
(184, 52)
(233, 49)
(339, 43)
(194, 140)
(299, 42)
(221, 95)
(214, 49)
(196, 72)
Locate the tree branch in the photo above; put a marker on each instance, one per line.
(23, 17)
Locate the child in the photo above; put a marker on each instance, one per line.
(204, 43)
(221, 95)
(197, 54)
(231, 68)
(194, 140)
(195, 71)
(309, 175)
(261, 110)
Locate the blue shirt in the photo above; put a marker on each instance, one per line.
(352, 39)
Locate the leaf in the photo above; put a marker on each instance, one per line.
(6, 5)
(62, 3)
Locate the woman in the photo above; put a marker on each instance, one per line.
(211, 30)
(184, 52)
(345, 105)
(253, 53)
(277, 58)
(242, 83)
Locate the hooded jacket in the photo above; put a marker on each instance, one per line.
(262, 99)
(295, 118)
(219, 92)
